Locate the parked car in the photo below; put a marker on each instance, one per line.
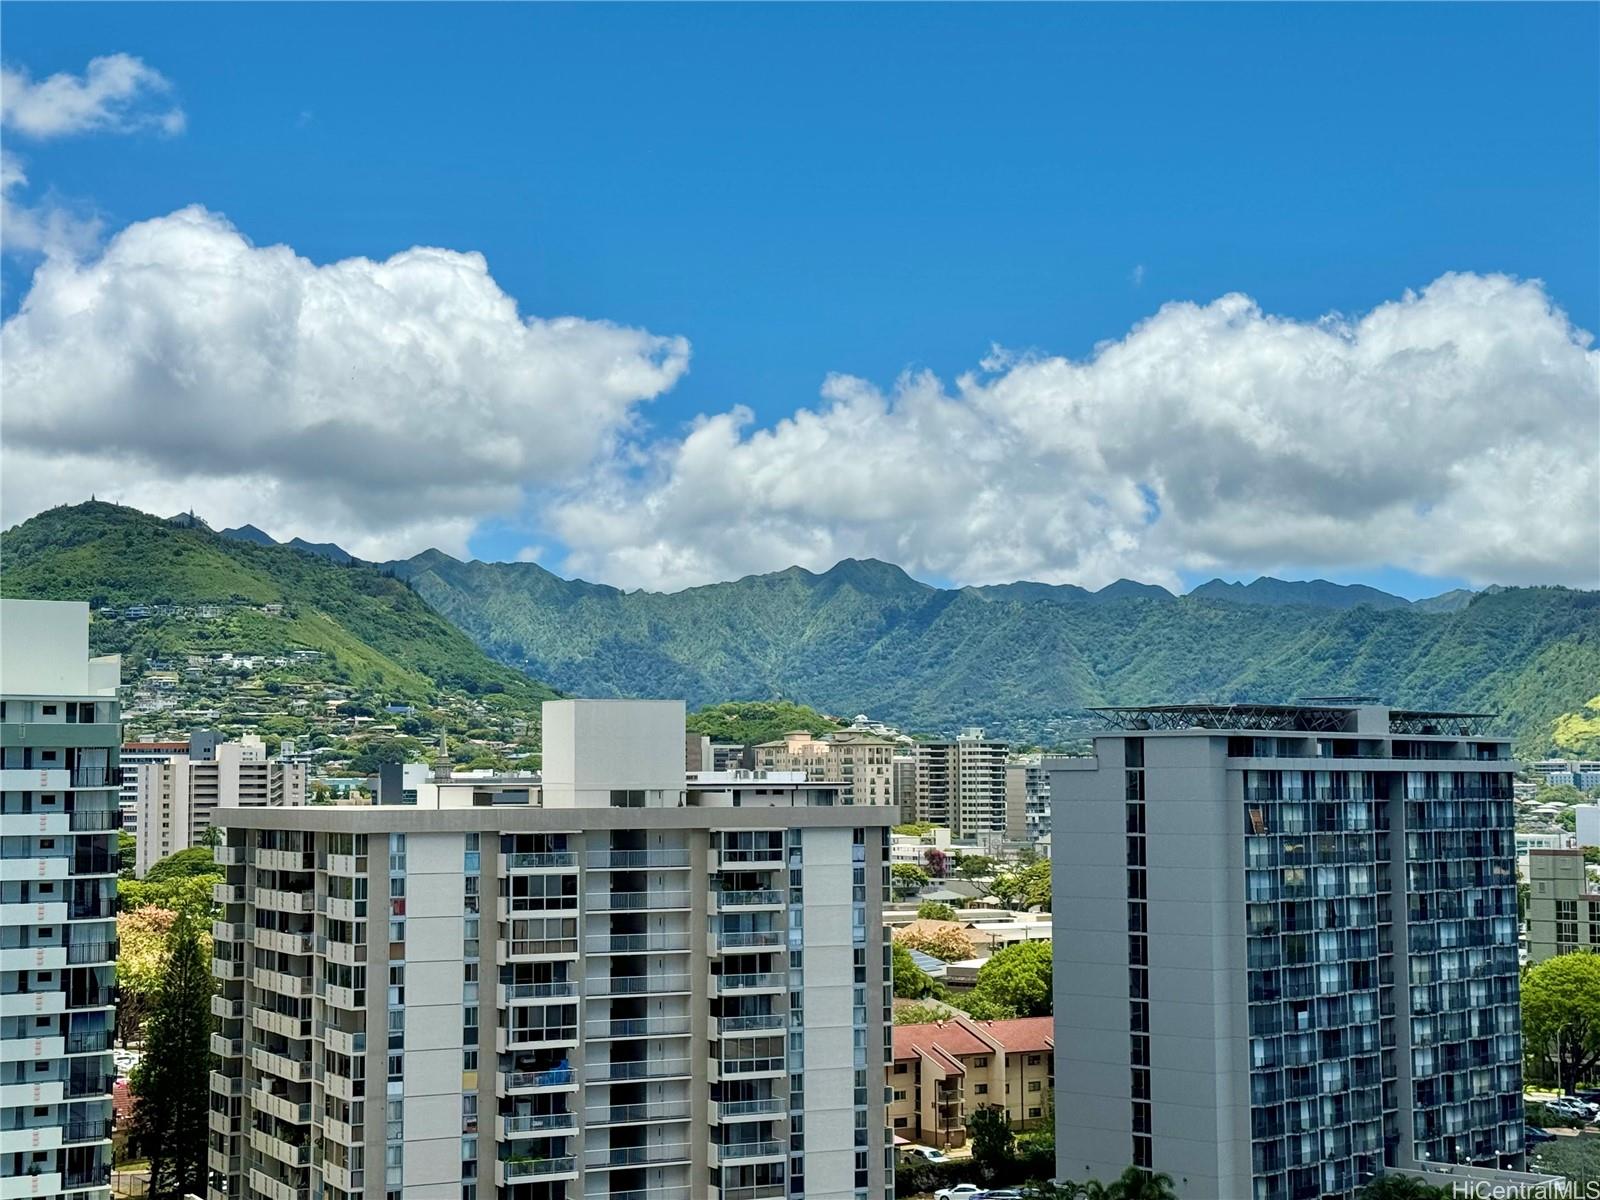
(961, 1191)
(1003, 1194)
(1572, 1109)
(1535, 1135)
(928, 1154)
(1581, 1102)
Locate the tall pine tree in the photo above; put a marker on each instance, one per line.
(171, 1083)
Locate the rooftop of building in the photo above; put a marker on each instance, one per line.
(962, 1037)
(1319, 714)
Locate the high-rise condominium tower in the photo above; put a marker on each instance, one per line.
(961, 783)
(1286, 948)
(59, 734)
(613, 982)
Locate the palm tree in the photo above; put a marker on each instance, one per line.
(1400, 1187)
(1138, 1184)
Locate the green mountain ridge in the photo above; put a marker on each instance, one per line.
(1022, 659)
(372, 630)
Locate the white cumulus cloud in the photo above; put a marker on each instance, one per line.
(386, 405)
(1450, 432)
(114, 94)
(46, 228)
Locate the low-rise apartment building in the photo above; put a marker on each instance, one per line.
(1563, 905)
(612, 981)
(943, 1073)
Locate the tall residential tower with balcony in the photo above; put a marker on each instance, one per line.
(617, 981)
(1286, 948)
(59, 734)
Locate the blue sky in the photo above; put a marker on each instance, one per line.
(804, 191)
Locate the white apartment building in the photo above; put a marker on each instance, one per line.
(59, 735)
(613, 981)
(961, 784)
(1286, 948)
(177, 798)
(862, 762)
(135, 755)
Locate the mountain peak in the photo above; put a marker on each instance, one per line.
(1314, 593)
(249, 533)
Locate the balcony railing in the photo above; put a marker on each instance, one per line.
(753, 1023)
(539, 991)
(633, 1156)
(634, 860)
(637, 901)
(554, 1077)
(91, 952)
(636, 943)
(751, 939)
(633, 985)
(537, 1123)
(761, 981)
(529, 1168)
(751, 898)
(94, 1041)
(638, 1027)
(95, 820)
(751, 1066)
(730, 1110)
(737, 1150)
(659, 1068)
(540, 862)
(634, 1114)
(86, 1131)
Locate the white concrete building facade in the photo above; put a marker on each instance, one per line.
(59, 737)
(615, 981)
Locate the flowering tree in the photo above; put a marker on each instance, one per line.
(947, 942)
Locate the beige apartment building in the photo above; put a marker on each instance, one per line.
(1563, 905)
(863, 762)
(177, 798)
(942, 1073)
(615, 981)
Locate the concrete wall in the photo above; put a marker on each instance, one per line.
(1199, 1037)
(829, 1024)
(433, 1015)
(44, 648)
(594, 746)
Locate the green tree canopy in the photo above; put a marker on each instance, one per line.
(1400, 1187)
(911, 982)
(1028, 887)
(189, 895)
(974, 866)
(991, 1140)
(907, 878)
(749, 722)
(1015, 982)
(916, 828)
(185, 864)
(1561, 1016)
(170, 1082)
(922, 1013)
(935, 910)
